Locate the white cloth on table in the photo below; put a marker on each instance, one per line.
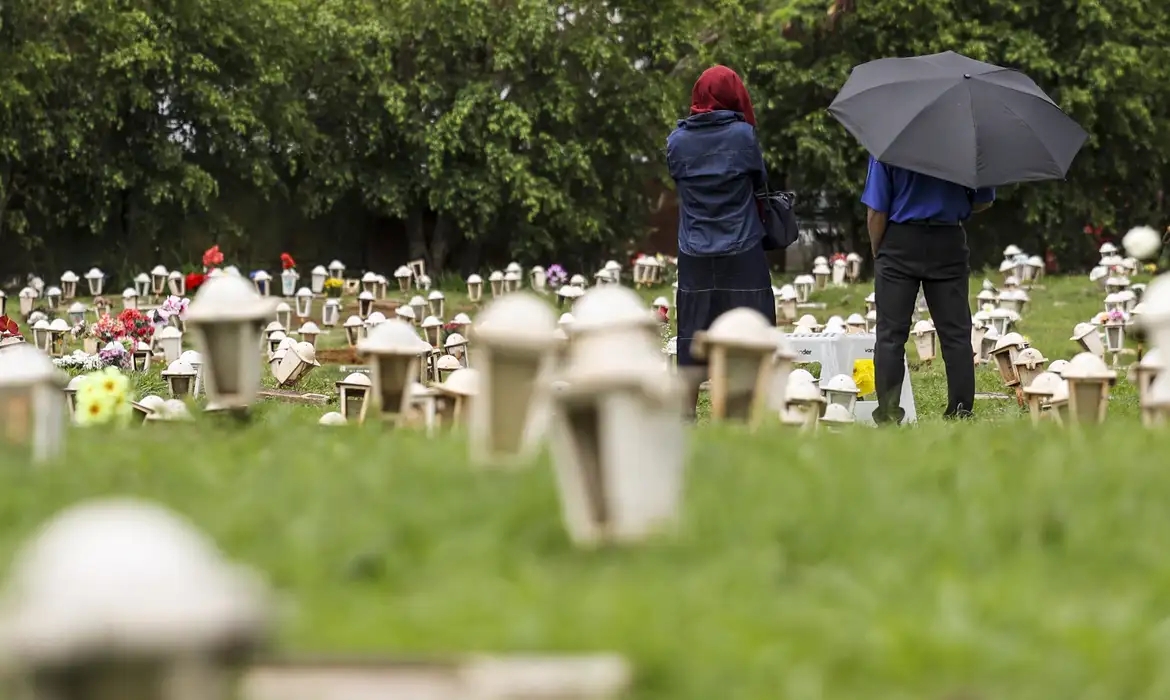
(836, 353)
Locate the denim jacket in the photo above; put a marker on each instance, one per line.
(717, 167)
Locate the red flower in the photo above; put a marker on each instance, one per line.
(107, 329)
(8, 327)
(212, 257)
(136, 324)
(286, 261)
(663, 314)
(194, 279)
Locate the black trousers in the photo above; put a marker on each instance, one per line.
(937, 258)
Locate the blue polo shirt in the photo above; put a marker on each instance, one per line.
(907, 196)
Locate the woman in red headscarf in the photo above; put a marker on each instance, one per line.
(717, 166)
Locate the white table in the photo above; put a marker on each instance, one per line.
(836, 353)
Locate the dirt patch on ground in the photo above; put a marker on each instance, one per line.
(338, 356)
(386, 306)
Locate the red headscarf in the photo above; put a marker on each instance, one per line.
(719, 87)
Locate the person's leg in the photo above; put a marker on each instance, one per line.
(947, 294)
(693, 313)
(949, 309)
(744, 281)
(895, 291)
(691, 377)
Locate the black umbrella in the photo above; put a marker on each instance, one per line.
(957, 119)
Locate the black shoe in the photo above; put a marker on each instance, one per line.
(960, 413)
(889, 417)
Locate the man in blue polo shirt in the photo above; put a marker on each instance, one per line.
(915, 224)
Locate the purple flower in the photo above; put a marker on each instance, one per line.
(172, 306)
(114, 355)
(556, 275)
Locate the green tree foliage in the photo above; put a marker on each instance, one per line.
(478, 130)
(533, 127)
(1104, 62)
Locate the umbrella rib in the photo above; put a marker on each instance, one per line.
(974, 131)
(1047, 150)
(949, 79)
(1043, 97)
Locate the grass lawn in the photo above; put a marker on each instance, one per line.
(974, 561)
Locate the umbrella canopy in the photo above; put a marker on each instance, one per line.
(958, 119)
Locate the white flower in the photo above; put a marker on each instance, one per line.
(173, 306)
(1142, 242)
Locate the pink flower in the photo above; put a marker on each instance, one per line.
(173, 306)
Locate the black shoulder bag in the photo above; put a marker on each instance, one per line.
(777, 209)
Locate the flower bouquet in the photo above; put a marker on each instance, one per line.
(212, 258)
(864, 377)
(333, 286)
(107, 329)
(194, 281)
(9, 332)
(115, 355)
(80, 360)
(103, 398)
(9, 328)
(136, 325)
(555, 276)
(173, 310)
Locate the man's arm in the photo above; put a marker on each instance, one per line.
(877, 198)
(876, 222)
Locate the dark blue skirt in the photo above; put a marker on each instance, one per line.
(710, 286)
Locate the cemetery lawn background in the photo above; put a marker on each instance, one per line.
(981, 560)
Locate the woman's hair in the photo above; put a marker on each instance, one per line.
(719, 87)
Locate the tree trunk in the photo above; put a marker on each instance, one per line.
(5, 194)
(416, 236)
(440, 245)
(471, 255)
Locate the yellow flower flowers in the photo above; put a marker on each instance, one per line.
(863, 377)
(103, 397)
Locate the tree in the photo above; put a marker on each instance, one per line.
(122, 121)
(1102, 62)
(525, 128)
